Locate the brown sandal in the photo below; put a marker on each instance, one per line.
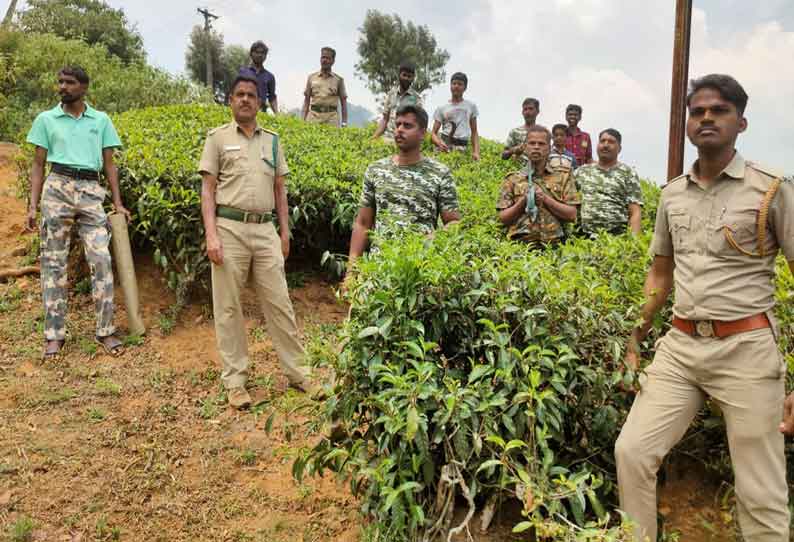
(52, 348)
(111, 345)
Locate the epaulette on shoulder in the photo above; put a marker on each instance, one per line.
(774, 173)
(671, 181)
(212, 131)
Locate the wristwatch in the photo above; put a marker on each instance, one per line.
(343, 124)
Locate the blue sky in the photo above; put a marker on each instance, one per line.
(612, 56)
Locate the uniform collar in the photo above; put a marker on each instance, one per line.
(410, 90)
(529, 171)
(734, 169)
(88, 112)
(237, 128)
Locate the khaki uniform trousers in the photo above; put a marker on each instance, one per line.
(744, 375)
(331, 118)
(256, 247)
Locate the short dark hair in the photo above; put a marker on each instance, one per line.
(77, 72)
(728, 87)
(614, 133)
(539, 129)
(559, 126)
(420, 113)
(330, 50)
(407, 66)
(533, 101)
(460, 76)
(258, 44)
(574, 107)
(244, 79)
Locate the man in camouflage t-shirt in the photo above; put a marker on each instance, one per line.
(534, 203)
(514, 145)
(610, 190)
(404, 190)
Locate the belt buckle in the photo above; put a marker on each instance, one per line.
(704, 328)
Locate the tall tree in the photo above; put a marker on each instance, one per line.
(196, 57)
(226, 61)
(233, 57)
(385, 41)
(92, 21)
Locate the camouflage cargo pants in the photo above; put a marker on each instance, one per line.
(64, 201)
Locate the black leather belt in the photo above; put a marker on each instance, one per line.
(75, 173)
(323, 108)
(239, 215)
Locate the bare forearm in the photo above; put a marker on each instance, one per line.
(380, 129)
(635, 220)
(208, 211)
(36, 183)
(112, 176)
(511, 214)
(274, 105)
(306, 104)
(282, 210)
(657, 289)
(358, 242)
(343, 105)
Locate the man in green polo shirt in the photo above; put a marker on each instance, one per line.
(78, 142)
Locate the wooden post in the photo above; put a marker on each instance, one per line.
(683, 26)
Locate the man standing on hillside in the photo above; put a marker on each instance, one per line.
(243, 169)
(325, 90)
(718, 230)
(577, 141)
(401, 95)
(78, 141)
(406, 189)
(265, 81)
(517, 138)
(610, 190)
(457, 120)
(534, 203)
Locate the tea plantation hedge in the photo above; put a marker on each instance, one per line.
(472, 370)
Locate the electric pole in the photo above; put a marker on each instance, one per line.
(683, 27)
(208, 18)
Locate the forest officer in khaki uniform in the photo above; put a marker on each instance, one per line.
(243, 170)
(324, 91)
(718, 231)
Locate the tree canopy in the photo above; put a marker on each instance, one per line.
(226, 61)
(386, 41)
(92, 21)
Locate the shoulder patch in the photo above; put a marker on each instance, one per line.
(765, 170)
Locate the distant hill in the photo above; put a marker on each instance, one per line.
(357, 115)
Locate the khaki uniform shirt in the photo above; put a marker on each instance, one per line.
(557, 182)
(243, 166)
(325, 89)
(713, 280)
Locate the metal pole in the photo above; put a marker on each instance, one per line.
(208, 36)
(683, 26)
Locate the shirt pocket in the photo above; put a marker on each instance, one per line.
(681, 230)
(232, 163)
(739, 227)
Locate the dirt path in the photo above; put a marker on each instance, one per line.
(143, 448)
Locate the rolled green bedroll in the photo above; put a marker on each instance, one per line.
(125, 267)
